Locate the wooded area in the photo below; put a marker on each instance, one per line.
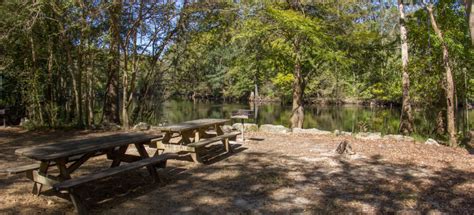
(80, 63)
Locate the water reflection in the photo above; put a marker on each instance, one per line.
(347, 118)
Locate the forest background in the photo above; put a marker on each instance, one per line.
(81, 63)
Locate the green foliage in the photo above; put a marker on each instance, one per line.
(283, 84)
(220, 50)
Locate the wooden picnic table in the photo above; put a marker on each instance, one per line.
(190, 132)
(69, 155)
(194, 129)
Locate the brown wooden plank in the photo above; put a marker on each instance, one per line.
(41, 179)
(169, 147)
(152, 143)
(63, 149)
(35, 166)
(193, 124)
(213, 139)
(112, 171)
(21, 169)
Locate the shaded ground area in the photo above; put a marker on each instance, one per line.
(279, 174)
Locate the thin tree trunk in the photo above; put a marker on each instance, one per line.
(256, 81)
(51, 108)
(83, 66)
(129, 82)
(297, 113)
(125, 86)
(449, 81)
(469, 6)
(89, 113)
(406, 118)
(112, 100)
(88, 100)
(125, 82)
(75, 88)
(80, 67)
(256, 96)
(36, 102)
(466, 109)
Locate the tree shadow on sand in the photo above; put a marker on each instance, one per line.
(255, 182)
(274, 183)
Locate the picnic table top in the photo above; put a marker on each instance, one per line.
(67, 148)
(193, 124)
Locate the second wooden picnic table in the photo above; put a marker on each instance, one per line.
(192, 131)
(190, 135)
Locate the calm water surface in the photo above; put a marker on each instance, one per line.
(346, 118)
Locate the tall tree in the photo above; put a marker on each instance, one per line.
(406, 118)
(297, 109)
(309, 42)
(469, 6)
(449, 88)
(112, 99)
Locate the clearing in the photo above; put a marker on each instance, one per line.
(282, 173)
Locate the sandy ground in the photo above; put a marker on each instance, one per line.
(275, 173)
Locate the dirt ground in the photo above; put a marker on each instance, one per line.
(273, 173)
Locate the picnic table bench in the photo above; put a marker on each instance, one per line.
(194, 136)
(68, 156)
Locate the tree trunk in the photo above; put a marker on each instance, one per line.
(297, 113)
(112, 99)
(37, 109)
(256, 81)
(406, 118)
(89, 86)
(51, 108)
(84, 57)
(256, 96)
(75, 81)
(80, 67)
(125, 117)
(450, 118)
(469, 5)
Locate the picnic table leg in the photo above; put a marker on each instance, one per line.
(219, 129)
(144, 154)
(77, 202)
(196, 156)
(185, 137)
(225, 141)
(243, 131)
(167, 137)
(118, 155)
(227, 146)
(42, 170)
(197, 135)
(63, 171)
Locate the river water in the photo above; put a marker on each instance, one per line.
(346, 118)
